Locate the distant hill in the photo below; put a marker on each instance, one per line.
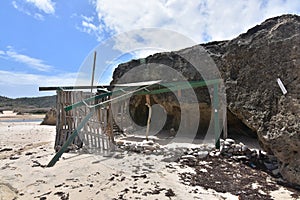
(28, 104)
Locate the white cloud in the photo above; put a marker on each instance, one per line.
(35, 8)
(153, 39)
(19, 79)
(17, 84)
(21, 8)
(202, 20)
(88, 19)
(33, 63)
(47, 6)
(38, 16)
(88, 27)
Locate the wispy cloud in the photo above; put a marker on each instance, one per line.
(47, 6)
(19, 79)
(202, 21)
(17, 84)
(31, 62)
(91, 26)
(35, 8)
(88, 27)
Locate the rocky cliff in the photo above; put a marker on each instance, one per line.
(250, 65)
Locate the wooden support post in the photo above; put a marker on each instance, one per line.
(122, 115)
(216, 116)
(225, 133)
(149, 114)
(110, 124)
(179, 93)
(93, 72)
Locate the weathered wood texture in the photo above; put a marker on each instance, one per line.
(94, 135)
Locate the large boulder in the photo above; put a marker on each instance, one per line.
(250, 66)
(50, 117)
(253, 62)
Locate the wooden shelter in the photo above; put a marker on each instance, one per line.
(93, 132)
(86, 118)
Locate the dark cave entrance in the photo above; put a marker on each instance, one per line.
(236, 129)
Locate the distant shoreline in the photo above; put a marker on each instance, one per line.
(10, 116)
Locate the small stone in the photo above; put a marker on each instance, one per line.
(212, 154)
(189, 157)
(217, 153)
(148, 147)
(231, 141)
(238, 146)
(120, 143)
(236, 150)
(203, 170)
(241, 144)
(148, 152)
(224, 149)
(202, 154)
(275, 172)
(138, 148)
(230, 150)
(149, 142)
(254, 153)
(191, 152)
(240, 158)
(245, 148)
(270, 166)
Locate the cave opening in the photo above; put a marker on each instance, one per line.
(236, 128)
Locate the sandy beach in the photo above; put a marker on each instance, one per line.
(25, 147)
(10, 116)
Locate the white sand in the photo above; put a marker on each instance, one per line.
(84, 176)
(8, 115)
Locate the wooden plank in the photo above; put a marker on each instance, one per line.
(68, 142)
(216, 116)
(93, 70)
(148, 103)
(74, 87)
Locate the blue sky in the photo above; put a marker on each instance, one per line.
(46, 42)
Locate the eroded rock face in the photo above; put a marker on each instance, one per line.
(50, 118)
(253, 61)
(250, 65)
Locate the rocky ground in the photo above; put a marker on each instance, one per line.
(137, 170)
(235, 168)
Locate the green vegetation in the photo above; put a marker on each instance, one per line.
(33, 105)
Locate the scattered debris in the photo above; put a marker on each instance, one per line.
(14, 157)
(5, 149)
(170, 193)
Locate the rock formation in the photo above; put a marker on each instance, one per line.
(255, 60)
(50, 118)
(250, 65)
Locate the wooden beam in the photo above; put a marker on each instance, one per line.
(74, 87)
(93, 72)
